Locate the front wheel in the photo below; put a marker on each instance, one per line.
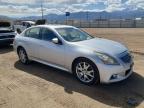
(23, 56)
(86, 71)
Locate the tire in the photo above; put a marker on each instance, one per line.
(86, 71)
(23, 56)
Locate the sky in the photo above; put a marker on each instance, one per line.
(20, 8)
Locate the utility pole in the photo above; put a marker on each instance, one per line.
(42, 9)
(134, 21)
(87, 16)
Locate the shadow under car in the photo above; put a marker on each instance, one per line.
(115, 94)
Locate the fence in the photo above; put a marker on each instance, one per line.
(122, 23)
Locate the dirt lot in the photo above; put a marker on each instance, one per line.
(40, 86)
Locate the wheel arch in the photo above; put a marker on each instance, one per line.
(78, 58)
(18, 48)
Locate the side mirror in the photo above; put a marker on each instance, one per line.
(56, 41)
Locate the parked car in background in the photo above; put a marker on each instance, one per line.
(22, 25)
(90, 59)
(41, 22)
(7, 33)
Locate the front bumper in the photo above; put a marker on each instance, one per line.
(6, 41)
(110, 73)
(7, 38)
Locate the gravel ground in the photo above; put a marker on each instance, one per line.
(40, 86)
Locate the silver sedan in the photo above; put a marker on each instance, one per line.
(90, 59)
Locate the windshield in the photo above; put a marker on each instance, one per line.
(73, 34)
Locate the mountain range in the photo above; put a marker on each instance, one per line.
(125, 14)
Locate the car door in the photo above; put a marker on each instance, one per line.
(32, 38)
(50, 52)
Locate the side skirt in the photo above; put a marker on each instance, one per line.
(49, 64)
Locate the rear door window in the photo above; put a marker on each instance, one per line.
(33, 33)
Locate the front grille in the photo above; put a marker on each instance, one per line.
(126, 58)
(6, 31)
(6, 37)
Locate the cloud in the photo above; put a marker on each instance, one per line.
(134, 4)
(114, 5)
(32, 7)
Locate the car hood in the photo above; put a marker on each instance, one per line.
(103, 45)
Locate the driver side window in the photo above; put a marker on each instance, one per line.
(47, 34)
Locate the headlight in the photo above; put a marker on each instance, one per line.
(106, 59)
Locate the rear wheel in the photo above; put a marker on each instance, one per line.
(23, 56)
(86, 71)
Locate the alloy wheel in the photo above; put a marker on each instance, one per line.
(22, 56)
(85, 72)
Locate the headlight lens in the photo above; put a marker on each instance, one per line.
(106, 59)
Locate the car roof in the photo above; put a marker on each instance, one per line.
(54, 26)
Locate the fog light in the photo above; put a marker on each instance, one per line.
(115, 76)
